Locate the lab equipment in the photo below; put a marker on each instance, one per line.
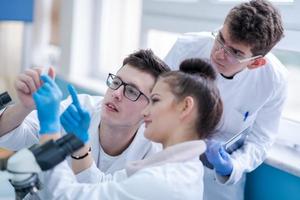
(23, 166)
(236, 141)
(4, 101)
(230, 145)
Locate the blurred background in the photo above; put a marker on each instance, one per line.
(86, 39)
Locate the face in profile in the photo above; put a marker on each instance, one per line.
(124, 110)
(161, 115)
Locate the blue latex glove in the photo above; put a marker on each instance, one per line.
(47, 100)
(219, 158)
(75, 119)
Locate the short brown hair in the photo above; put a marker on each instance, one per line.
(146, 61)
(256, 23)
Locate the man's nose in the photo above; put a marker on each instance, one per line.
(220, 52)
(145, 112)
(118, 93)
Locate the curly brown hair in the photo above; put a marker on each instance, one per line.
(256, 23)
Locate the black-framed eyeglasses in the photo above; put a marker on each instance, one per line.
(129, 91)
(233, 57)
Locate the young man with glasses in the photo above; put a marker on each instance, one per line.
(252, 83)
(115, 133)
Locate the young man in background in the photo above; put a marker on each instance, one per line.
(252, 83)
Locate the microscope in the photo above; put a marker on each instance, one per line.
(21, 168)
(4, 101)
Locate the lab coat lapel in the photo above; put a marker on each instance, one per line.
(176, 153)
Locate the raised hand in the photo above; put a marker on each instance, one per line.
(47, 100)
(75, 119)
(29, 82)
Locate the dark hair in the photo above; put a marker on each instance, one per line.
(196, 78)
(146, 61)
(256, 23)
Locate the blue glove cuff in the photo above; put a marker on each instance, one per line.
(49, 128)
(225, 171)
(84, 137)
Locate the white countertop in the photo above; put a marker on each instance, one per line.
(285, 153)
(285, 158)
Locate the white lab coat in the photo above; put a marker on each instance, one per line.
(261, 92)
(174, 173)
(27, 134)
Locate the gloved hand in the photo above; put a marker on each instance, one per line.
(47, 100)
(75, 119)
(29, 82)
(219, 158)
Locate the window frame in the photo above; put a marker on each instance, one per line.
(155, 11)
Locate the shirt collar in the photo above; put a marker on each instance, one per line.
(176, 153)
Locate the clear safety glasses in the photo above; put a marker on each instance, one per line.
(231, 55)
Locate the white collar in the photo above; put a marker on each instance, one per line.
(176, 153)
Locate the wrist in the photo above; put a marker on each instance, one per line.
(83, 136)
(82, 150)
(46, 137)
(81, 155)
(24, 109)
(224, 171)
(49, 127)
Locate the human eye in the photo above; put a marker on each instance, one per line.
(236, 53)
(154, 100)
(132, 91)
(116, 82)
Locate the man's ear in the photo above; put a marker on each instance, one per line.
(259, 62)
(187, 105)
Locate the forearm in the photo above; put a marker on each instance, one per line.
(12, 117)
(84, 163)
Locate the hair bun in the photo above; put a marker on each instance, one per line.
(199, 67)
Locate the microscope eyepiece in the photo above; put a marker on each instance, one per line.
(4, 99)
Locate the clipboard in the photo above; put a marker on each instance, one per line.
(230, 145)
(236, 141)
